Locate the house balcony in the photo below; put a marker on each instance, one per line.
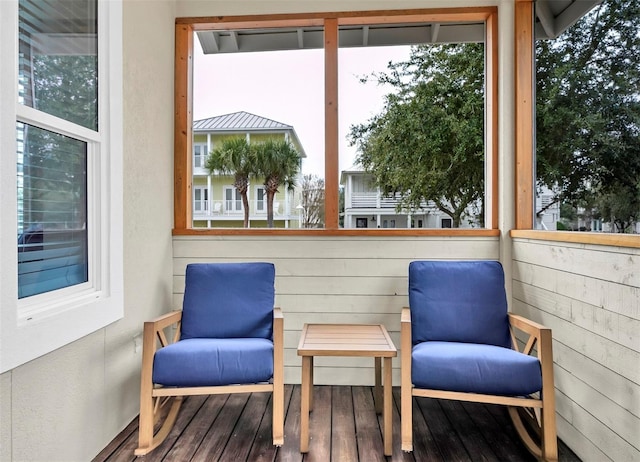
(234, 210)
(377, 201)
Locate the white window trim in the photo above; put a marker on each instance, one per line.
(53, 320)
(204, 191)
(264, 199)
(233, 201)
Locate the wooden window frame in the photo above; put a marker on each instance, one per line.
(183, 122)
(524, 144)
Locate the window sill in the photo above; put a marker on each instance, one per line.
(424, 232)
(580, 237)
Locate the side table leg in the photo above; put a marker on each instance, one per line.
(377, 391)
(388, 416)
(305, 397)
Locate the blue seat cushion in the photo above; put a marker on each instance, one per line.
(228, 300)
(458, 301)
(212, 362)
(473, 368)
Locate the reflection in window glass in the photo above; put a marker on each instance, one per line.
(412, 129)
(588, 123)
(52, 211)
(242, 91)
(58, 60)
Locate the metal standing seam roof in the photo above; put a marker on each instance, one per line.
(245, 122)
(239, 121)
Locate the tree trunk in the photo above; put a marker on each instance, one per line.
(245, 205)
(270, 196)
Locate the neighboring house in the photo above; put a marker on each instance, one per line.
(366, 207)
(216, 202)
(547, 213)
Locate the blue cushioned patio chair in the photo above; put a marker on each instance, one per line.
(228, 339)
(458, 342)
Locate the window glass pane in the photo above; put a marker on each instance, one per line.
(588, 123)
(58, 60)
(255, 87)
(52, 210)
(411, 120)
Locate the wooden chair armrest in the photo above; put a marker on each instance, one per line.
(405, 315)
(163, 321)
(278, 329)
(278, 352)
(154, 330)
(537, 334)
(277, 313)
(405, 342)
(526, 325)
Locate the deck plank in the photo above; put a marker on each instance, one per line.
(368, 431)
(470, 435)
(502, 442)
(443, 432)
(218, 435)
(185, 446)
(320, 426)
(343, 427)
(290, 451)
(343, 439)
(246, 428)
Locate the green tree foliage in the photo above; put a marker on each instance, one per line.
(67, 86)
(278, 162)
(54, 166)
(235, 157)
(428, 142)
(588, 112)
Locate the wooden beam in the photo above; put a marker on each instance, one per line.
(524, 109)
(183, 122)
(491, 110)
(331, 123)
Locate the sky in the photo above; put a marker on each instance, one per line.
(288, 87)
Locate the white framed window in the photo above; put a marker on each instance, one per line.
(199, 155)
(200, 199)
(60, 174)
(261, 199)
(232, 199)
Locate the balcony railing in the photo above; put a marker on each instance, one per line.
(373, 200)
(212, 209)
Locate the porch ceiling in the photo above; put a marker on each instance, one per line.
(552, 18)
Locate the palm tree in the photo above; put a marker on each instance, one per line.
(235, 157)
(278, 162)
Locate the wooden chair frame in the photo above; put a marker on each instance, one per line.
(533, 417)
(154, 398)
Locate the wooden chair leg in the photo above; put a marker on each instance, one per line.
(278, 414)
(145, 423)
(549, 434)
(406, 386)
(406, 418)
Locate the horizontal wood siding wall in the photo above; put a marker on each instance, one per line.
(331, 280)
(590, 296)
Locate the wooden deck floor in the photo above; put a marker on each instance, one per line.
(344, 427)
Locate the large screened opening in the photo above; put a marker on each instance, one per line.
(290, 123)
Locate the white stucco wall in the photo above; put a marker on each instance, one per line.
(67, 405)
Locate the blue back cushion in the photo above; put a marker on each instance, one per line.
(228, 300)
(458, 301)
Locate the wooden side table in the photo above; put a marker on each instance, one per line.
(347, 340)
